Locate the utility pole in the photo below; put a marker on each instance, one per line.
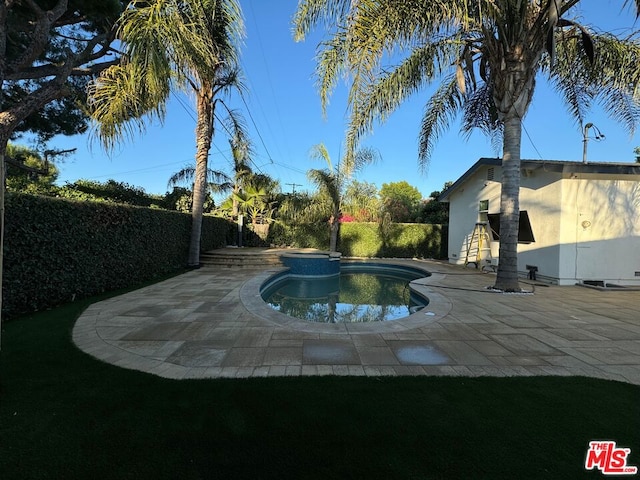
(293, 187)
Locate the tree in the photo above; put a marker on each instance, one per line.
(241, 152)
(27, 171)
(262, 191)
(173, 45)
(46, 49)
(217, 181)
(47, 54)
(255, 198)
(181, 200)
(331, 183)
(487, 55)
(636, 151)
(401, 200)
(434, 211)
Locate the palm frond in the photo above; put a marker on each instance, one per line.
(612, 79)
(123, 98)
(620, 107)
(263, 182)
(479, 111)
(235, 125)
(628, 3)
(440, 111)
(328, 184)
(217, 180)
(364, 156)
(326, 13)
(186, 175)
(331, 63)
(376, 101)
(320, 152)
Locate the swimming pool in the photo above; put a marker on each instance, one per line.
(362, 293)
(439, 304)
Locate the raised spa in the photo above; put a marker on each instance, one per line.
(357, 293)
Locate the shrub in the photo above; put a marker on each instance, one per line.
(58, 250)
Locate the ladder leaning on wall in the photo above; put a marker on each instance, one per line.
(479, 242)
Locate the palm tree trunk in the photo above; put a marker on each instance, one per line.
(234, 202)
(334, 227)
(3, 172)
(507, 278)
(204, 133)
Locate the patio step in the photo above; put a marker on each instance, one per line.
(241, 258)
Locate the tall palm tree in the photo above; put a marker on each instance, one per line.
(487, 55)
(332, 181)
(172, 44)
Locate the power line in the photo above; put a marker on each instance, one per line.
(140, 170)
(256, 127)
(266, 67)
(530, 139)
(294, 169)
(523, 126)
(190, 111)
(187, 108)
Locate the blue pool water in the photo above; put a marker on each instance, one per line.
(361, 293)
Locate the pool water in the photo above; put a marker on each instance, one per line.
(357, 295)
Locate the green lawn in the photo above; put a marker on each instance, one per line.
(64, 415)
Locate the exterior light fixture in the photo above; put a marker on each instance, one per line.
(585, 138)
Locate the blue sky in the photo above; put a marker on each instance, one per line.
(285, 120)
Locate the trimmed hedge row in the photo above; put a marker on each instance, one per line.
(398, 240)
(58, 250)
(304, 235)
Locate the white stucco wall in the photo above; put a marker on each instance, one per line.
(540, 197)
(601, 228)
(463, 211)
(565, 250)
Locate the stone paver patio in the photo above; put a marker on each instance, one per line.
(209, 323)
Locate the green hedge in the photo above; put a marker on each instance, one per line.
(58, 250)
(400, 240)
(304, 235)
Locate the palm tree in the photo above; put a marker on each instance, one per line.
(172, 44)
(219, 181)
(241, 152)
(332, 181)
(487, 55)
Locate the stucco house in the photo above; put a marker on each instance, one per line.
(579, 222)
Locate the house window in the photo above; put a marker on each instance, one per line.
(525, 233)
(483, 209)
